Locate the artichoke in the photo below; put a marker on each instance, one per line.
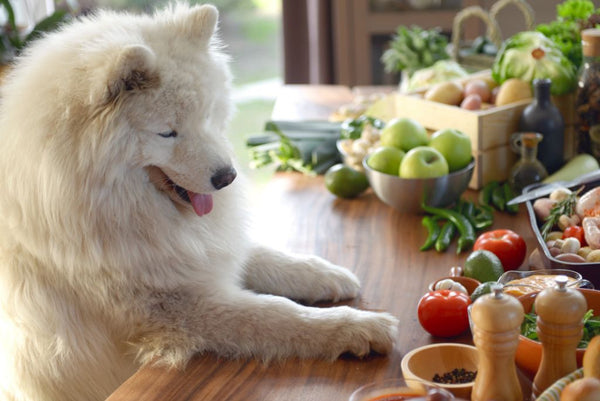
(530, 55)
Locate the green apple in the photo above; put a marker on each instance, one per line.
(454, 145)
(404, 134)
(423, 162)
(386, 159)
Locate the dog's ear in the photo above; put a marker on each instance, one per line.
(134, 69)
(199, 24)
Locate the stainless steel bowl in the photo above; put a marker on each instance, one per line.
(589, 270)
(408, 194)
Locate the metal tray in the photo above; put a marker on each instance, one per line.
(589, 271)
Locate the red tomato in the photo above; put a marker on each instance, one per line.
(443, 313)
(576, 232)
(509, 246)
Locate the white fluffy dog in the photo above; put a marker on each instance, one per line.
(121, 229)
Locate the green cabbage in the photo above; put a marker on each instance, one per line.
(529, 55)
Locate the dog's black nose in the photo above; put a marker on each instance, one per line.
(223, 177)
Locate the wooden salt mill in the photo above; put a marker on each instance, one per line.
(497, 319)
(560, 311)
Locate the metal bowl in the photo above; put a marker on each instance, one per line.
(408, 194)
(589, 270)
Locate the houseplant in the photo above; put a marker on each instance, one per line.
(13, 40)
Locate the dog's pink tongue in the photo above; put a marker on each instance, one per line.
(202, 203)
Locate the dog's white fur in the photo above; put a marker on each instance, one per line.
(102, 266)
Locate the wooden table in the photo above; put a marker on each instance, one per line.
(376, 242)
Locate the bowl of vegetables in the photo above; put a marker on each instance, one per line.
(555, 239)
(529, 350)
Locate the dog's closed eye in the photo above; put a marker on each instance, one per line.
(170, 134)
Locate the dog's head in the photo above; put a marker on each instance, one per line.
(138, 103)
(173, 89)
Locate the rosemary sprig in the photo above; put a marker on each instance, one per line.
(565, 206)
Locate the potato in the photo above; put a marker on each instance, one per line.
(478, 87)
(569, 257)
(554, 235)
(494, 95)
(445, 92)
(471, 102)
(513, 90)
(584, 251)
(593, 256)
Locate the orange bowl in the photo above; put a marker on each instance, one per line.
(529, 352)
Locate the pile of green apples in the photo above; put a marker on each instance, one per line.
(407, 151)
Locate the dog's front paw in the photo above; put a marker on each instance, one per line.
(375, 331)
(331, 282)
(364, 332)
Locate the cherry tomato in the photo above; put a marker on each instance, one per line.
(443, 313)
(575, 232)
(509, 246)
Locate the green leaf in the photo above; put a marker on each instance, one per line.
(49, 23)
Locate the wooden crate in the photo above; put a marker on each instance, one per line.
(489, 130)
(492, 165)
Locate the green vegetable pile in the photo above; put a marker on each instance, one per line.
(529, 55)
(465, 219)
(552, 50)
(413, 48)
(352, 128)
(591, 327)
(496, 195)
(572, 17)
(308, 147)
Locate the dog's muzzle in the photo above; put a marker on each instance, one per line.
(201, 203)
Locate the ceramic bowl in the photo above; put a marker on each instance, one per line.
(529, 352)
(392, 389)
(424, 362)
(408, 194)
(469, 283)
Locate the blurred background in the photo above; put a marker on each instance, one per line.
(272, 42)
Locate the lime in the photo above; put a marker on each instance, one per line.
(386, 159)
(345, 182)
(483, 265)
(482, 289)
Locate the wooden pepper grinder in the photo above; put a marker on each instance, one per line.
(560, 313)
(497, 319)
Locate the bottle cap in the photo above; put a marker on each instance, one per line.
(590, 42)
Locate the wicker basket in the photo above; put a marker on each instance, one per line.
(460, 52)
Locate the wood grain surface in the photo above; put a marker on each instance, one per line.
(379, 244)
